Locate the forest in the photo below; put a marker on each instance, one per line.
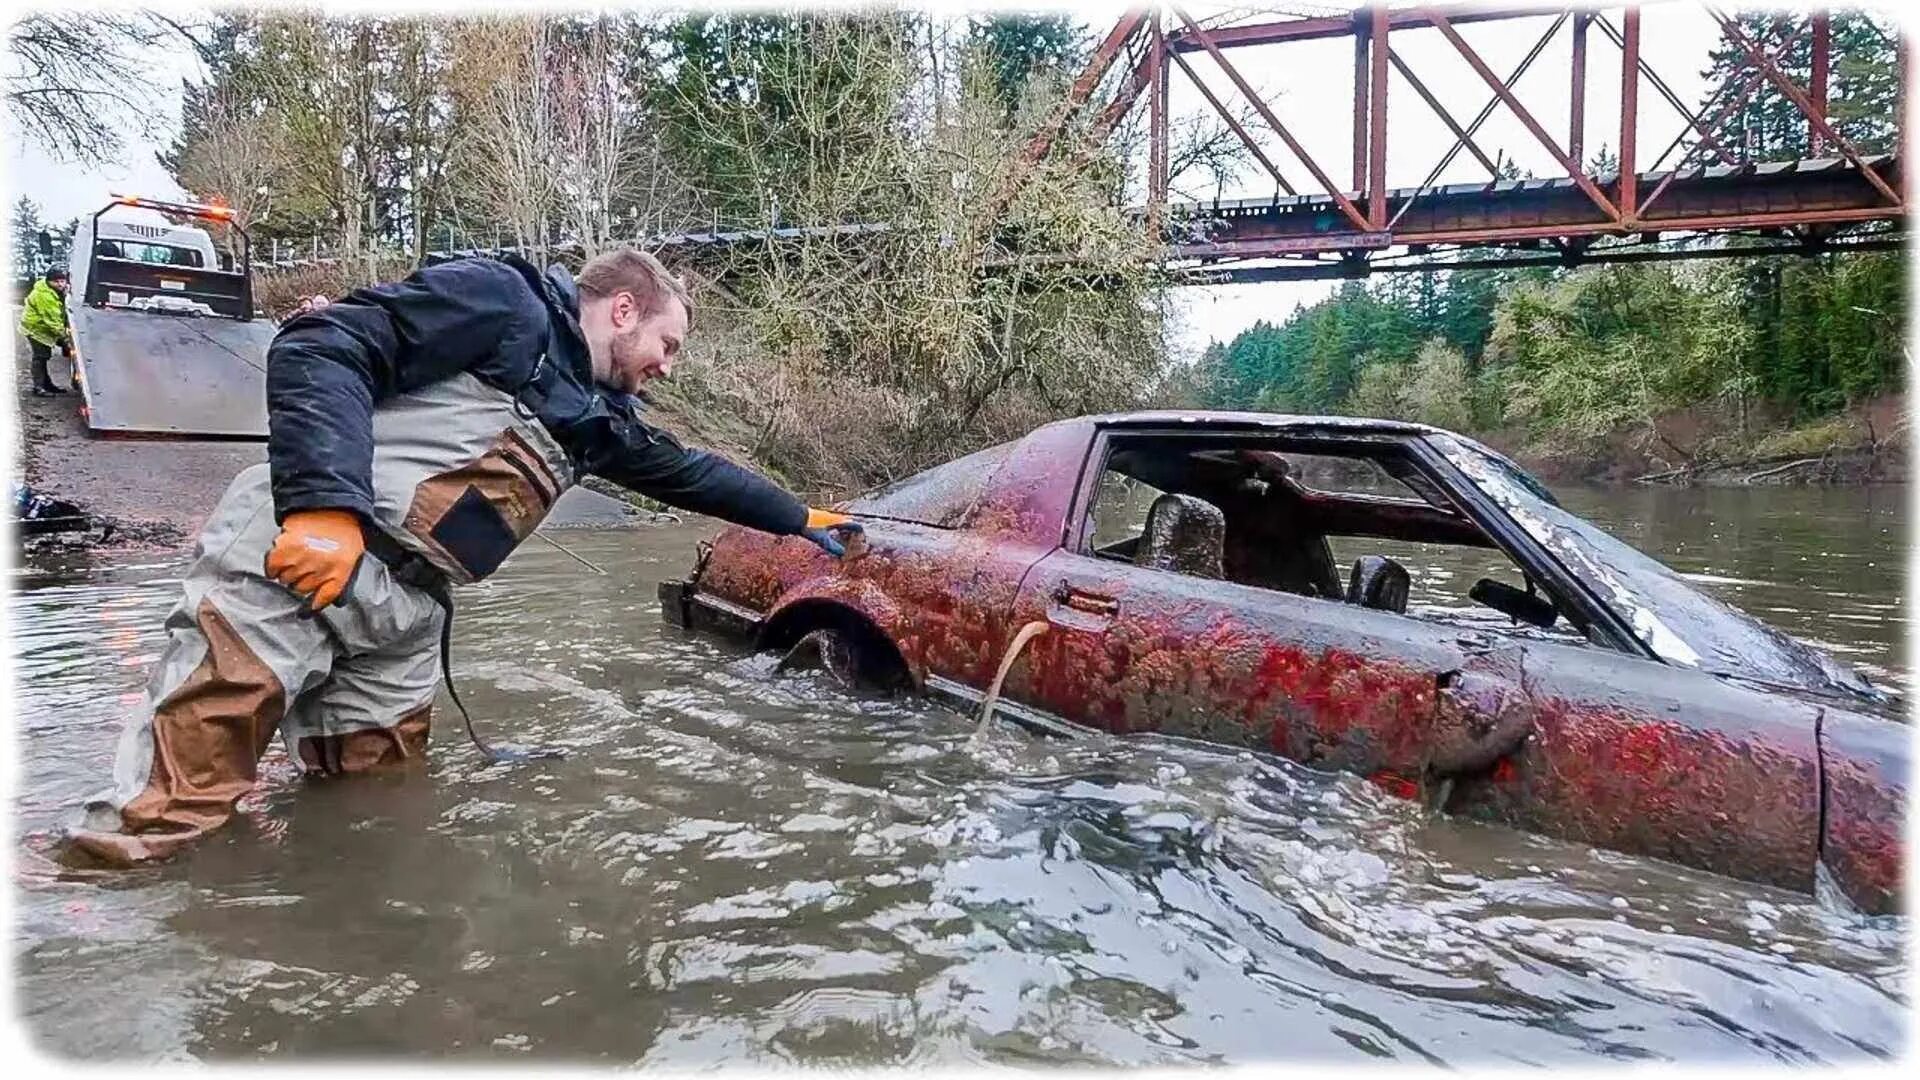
(368, 143)
(1747, 357)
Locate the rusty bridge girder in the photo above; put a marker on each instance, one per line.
(1829, 196)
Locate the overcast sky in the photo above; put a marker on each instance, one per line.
(1309, 85)
(64, 190)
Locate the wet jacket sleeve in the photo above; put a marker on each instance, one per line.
(326, 370)
(44, 316)
(643, 459)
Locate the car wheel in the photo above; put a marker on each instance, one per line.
(827, 650)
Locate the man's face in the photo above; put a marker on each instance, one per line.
(631, 347)
(59, 285)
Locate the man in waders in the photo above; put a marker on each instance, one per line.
(419, 432)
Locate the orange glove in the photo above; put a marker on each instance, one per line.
(316, 553)
(822, 524)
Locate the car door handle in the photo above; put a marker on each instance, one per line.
(1090, 603)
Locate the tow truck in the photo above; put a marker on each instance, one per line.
(166, 339)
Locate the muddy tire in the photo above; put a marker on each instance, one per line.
(844, 645)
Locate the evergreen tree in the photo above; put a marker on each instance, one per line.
(1019, 46)
(1572, 354)
(1863, 86)
(1467, 310)
(1768, 127)
(1826, 332)
(26, 238)
(1863, 99)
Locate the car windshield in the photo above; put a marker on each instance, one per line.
(1680, 624)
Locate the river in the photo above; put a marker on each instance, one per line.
(733, 868)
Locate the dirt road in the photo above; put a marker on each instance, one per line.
(156, 491)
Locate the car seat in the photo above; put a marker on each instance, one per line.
(1183, 534)
(1380, 583)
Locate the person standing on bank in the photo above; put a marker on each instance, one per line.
(430, 424)
(43, 322)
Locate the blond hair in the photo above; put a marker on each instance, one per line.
(631, 270)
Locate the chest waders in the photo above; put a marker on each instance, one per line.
(411, 568)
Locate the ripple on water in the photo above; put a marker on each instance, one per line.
(730, 867)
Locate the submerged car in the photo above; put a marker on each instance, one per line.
(1181, 568)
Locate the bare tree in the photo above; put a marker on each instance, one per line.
(556, 135)
(237, 160)
(513, 145)
(78, 84)
(598, 162)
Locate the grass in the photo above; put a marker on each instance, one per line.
(1841, 432)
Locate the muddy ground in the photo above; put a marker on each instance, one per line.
(156, 492)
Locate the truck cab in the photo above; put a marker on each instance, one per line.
(129, 255)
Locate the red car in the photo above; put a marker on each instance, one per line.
(1181, 569)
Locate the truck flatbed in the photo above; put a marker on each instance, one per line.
(172, 374)
(166, 338)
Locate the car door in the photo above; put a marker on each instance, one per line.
(1638, 747)
(1132, 648)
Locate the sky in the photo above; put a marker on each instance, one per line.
(1308, 85)
(64, 190)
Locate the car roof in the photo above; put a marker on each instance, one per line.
(1268, 421)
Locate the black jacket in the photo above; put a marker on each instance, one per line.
(513, 328)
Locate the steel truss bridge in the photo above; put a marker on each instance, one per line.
(1703, 186)
(1703, 195)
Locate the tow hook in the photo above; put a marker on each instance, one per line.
(701, 553)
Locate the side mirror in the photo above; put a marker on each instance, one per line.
(1515, 603)
(46, 243)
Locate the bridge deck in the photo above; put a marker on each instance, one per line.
(1724, 199)
(1717, 199)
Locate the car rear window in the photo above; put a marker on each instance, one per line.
(942, 496)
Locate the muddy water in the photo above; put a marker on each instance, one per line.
(1827, 565)
(730, 868)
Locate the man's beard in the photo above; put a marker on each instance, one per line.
(619, 349)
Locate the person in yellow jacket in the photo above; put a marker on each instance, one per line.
(44, 324)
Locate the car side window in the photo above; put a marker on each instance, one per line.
(1359, 525)
(1120, 505)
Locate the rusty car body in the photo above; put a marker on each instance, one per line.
(1588, 692)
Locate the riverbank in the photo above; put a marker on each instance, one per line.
(1866, 444)
(156, 492)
